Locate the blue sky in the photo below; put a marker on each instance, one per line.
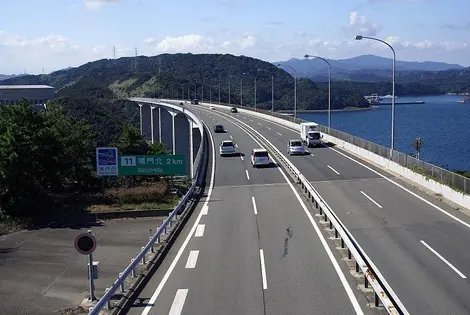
(54, 34)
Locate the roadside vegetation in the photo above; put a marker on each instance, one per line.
(48, 175)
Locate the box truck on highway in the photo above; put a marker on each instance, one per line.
(310, 134)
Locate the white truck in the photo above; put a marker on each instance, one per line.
(310, 134)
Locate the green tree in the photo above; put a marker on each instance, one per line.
(42, 157)
(158, 148)
(131, 141)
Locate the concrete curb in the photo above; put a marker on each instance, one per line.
(132, 214)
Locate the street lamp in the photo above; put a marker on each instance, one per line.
(272, 90)
(329, 87)
(295, 89)
(360, 37)
(210, 92)
(245, 73)
(241, 92)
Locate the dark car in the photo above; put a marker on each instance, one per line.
(233, 110)
(219, 128)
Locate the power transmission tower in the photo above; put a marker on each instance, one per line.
(135, 60)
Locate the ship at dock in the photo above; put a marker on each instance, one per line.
(375, 99)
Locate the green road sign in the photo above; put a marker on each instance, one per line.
(151, 165)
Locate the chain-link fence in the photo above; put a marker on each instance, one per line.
(439, 174)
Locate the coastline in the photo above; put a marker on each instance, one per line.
(346, 109)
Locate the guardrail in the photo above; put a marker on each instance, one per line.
(441, 175)
(130, 270)
(382, 292)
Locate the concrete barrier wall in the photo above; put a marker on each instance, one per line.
(436, 187)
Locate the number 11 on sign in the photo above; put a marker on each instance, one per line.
(128, 161)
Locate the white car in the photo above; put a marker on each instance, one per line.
(295, 147)
(260, 157)
(227, 147)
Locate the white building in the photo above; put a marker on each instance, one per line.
(36, 94)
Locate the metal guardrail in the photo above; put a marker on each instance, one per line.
(382, 292)
(105, 300)
(439, 174)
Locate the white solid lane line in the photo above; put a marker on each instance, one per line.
(376, 203)
(263, 269)
(405, 189)
(255, 208)
(247, 175)
(192, 259)
(178, 302)
(204, 209)
(444, 260)
(279, 133)
(342, 277)
(200, 230)
(333, 169)
(162, 283)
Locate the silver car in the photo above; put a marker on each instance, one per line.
(295, 147)
(227, 147)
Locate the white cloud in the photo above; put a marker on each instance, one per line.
(358, 24)
(96, 4)
(53, 52)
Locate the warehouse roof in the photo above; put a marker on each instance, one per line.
(22, 87)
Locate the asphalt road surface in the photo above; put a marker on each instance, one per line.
(251, 247)
(419, 244)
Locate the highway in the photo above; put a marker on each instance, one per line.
(418, 243)
(250, 247)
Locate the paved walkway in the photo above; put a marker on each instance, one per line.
(42, 273)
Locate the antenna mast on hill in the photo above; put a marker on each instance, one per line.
(114, 52)
(159, 65)
(135, 60)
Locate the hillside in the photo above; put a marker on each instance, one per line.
(9, 76)
(168, 75)
(311, 67)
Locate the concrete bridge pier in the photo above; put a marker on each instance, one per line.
(181, 138)
(145, 121)
(166, 128)
(155, 124)
(195, 142)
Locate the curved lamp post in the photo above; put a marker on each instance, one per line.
(329, 87)
(392, 146)
(295, 89)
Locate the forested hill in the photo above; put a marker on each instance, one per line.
(168, 75)
(96, 91)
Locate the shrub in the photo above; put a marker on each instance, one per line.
(146, 192)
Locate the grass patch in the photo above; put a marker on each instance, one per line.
(168, 202)
(9, 225)
(147, 196)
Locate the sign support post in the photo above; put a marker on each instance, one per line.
(91, 276)
(85, 244)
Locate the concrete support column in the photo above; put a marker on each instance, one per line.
(195, 142)
(140, 116)
(181, 139)
(191, 151)
(166, 128)
(145, 121)
(155, 123)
